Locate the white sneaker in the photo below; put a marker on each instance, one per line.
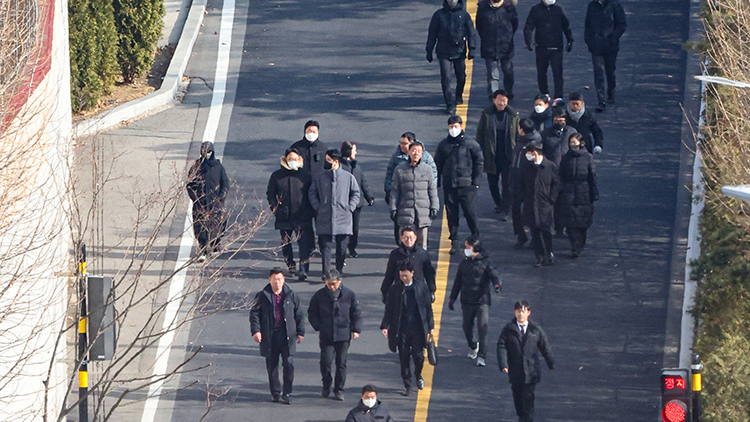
(201, 259)
(473, 354)
(480, 362)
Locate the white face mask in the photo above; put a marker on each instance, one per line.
(293, 165)
(539, 109)
(530, 156)
(469, 252)
(549, 2)
(454, 131)
(370, 402)
(453, 3)
(311, 136)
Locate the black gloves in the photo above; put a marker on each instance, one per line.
(394, 215)
(569, 48)
(470, 56)
(497, 288)
(450, 305)
(433, 213)
(429, 56)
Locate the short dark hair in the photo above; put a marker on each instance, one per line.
(369, 388)
(577, 136)
(475, 243)
(406, 266)
(535, 145)
(526, 125)
(312, 123)
(502, 92)
(416, 144)
(543, 97)
(575, 96)
(558, 112)
(274, 271)
(291, 150)
(346, 148)
(455, 119)
(410, 136)
(334, 154)
(522, 304)
(332, 274)
(408, 228)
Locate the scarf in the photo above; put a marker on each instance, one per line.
(575, 115)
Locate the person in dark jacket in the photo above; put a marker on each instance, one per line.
(575, 204)
(580, 119)
(407, 321)
(287, 197)
(548, 22)
(542, 114)
(334, 195)
(334, 312)
(369, 408)
(519, 347)
(538, 188)
(401, 155)
(349, 163)
(452, 29)
(605, 24)
(207, 188)
(496, 134)
(460, 163)
(497, 22)
(555, 139)
(410, 251)
(473, 279)
(276, 322)
(414, 199)
(527, 134)
(312, 149)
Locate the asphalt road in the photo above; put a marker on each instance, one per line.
(359, 69)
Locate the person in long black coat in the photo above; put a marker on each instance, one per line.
(408, 250)
(287, 197)
(334, 312)
(349, 163)
(407, 320)
(519, 347)
(575, 203)
(580, 118)
(538, 188)
(311, 148)
(605, 23)
(277, 323)
(497, 22)
(207, 187)
(527, 134)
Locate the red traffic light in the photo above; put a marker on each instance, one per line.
(674, 411)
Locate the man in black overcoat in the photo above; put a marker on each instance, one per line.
(207, 188)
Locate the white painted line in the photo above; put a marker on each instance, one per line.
(177, 285)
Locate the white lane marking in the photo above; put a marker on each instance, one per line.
(177, 286)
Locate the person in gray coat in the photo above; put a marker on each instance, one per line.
(334, 195)
(414, 199)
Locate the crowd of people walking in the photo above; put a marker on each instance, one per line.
(540, 171)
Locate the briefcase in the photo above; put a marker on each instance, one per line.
(432, 353)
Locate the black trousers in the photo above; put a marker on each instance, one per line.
(500, 180)
(397, 233)
(465, 198)
(449, 68)
(208, 228)
(549, 58)
(604, 64)
(328, 351)
(411, 346)
(577, 238)
(523, 399)
(517, 218)
(280, 347)
(494, 67)
(354, 238)
(324, 242)
(541, 240)
(305, 243)
(480, 313)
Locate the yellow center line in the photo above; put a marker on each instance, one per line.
(444, 258)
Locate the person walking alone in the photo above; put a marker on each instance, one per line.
(605, 24)
(473, 279)
(452, 29)
(334, 312)
(575, 204)
(207, 187)
(548, 23)
(276, 322)
(519, 347)
(497, 22)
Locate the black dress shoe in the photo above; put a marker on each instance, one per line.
(338, 395)
(325, 392)
(601, 107)
(285, 399)
(353, 254)
(538, 263)
(406, 392)
(454, 248)
(503, 215)
(275, 398)
(420, 383)
(460, 99)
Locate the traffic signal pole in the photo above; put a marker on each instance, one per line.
(696, 368)
(83, 375)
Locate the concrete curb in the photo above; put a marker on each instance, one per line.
(160, 99)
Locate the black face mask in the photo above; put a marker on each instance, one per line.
(558, 126)
(575, 147)
(327, 165)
